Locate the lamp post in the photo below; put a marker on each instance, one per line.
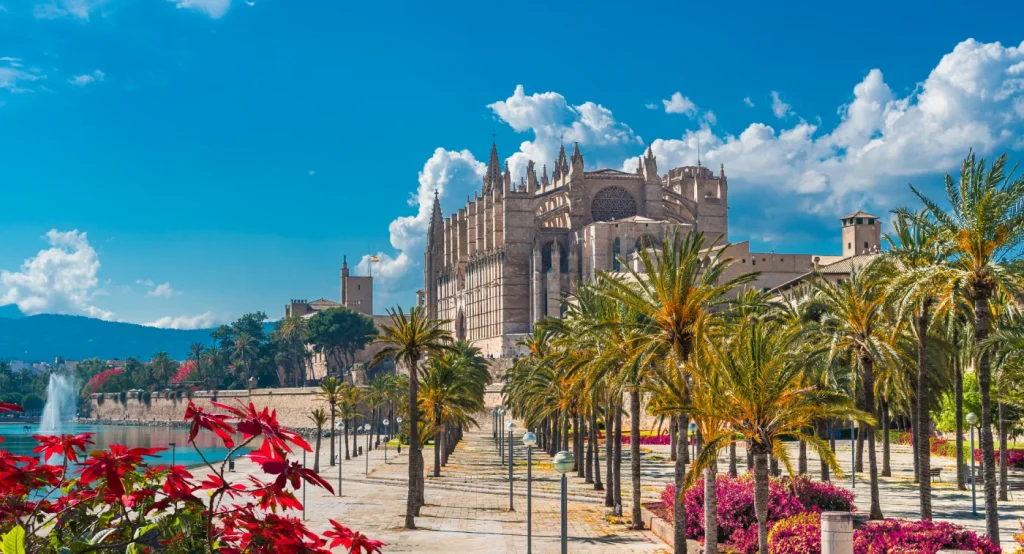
(692, 437)
(366, 455)
(853, 454)
(494, 423)
(530, 440)
(972, 420)
(386, 436)
(341, 427)
(563, 463)
(172, 445)
(511, 477)
(398, 422)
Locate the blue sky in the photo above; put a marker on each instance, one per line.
(234, 151)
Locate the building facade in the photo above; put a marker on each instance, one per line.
(512, 255)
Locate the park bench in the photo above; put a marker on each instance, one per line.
(935, 473)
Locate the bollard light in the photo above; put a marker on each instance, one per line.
(398, 421)
(511, 477)
(530, 440)
(385, 422)
(563, 463)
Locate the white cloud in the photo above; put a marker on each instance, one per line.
(969, 100)
(14, 76)
(213, 8)
(780, 108)
(680, 104)
(60, 279)
(202, 321)
(87, 78)
(162, 290)
(651, 106)
(53, 9)
(748, 102)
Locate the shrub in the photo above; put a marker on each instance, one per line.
(32, 402)
(923, 537)
(101, 379)
(800, 534)
(123, 398)
(147, 398)
(823, 497)
(901, 437)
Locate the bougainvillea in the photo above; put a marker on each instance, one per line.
(923, 537)
(100, 380)
(736, 515)
(184, 372)
(54, 508)
(646, 440)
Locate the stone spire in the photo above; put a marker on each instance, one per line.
(650, 162)
(493, 176)
(544, 175)
(435, 217)
(577, 159)
(531, 177)
(721, 172)
(561, 165)
(506, 179)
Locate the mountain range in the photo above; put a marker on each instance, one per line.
(44, 337)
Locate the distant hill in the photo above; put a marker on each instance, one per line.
(46, 336)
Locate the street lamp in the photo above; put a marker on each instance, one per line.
(341, 427)
(398, 421)
(530, 440)
(511, 477)
(386, 436)
(366, 429)
(494, 423)
(853, 454)
(501, 436)
(563, 463)
(972, 420)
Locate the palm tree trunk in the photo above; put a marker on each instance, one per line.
(673, 427)
(679, 517)
(922, 427)
(577, 443)
(597, 450)
(415, 473)
(802, 459)
(332, 435)
(348, 426)
(588, 472)
(711, 509)
(958, 400)
(869, 430)
(355, 442)
(437, 443)
(634, 455)
(823, 428)
(860, 437)
(1003, 453)
(761, 497)
(618, 455)
(886, 467)
(684, 437)
(316, 452)
(982, 323)
(733, 472)
(916, 418)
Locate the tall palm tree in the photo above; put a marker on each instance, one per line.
(677, 288)
(409, 339)
(453, 392)
(243, 353)
(752, 383)
(854, 320)
(915, 249)
(319, 418)
(196, 351)
(332, 393)
(162, 366)
(985, 226)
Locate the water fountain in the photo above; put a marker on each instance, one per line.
(61, 402)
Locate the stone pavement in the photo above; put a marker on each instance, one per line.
(467, 508)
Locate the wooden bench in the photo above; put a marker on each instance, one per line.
(935, 473)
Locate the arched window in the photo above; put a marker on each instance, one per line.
(612, 203)
(616, 248)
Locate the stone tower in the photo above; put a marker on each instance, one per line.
(862, 234)
(433, 256)
(356, 292)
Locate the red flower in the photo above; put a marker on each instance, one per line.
(20, 480)
(177, 485)
(5, 407)
(253, 423)
(354, 541)
(112, 464)
(213, 482)
(214, 422)
(272, 496)
(67, 446)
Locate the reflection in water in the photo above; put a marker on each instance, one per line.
(18, 440)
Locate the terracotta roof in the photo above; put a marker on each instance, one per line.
(324, 302)
(859, 213)
(842, 267)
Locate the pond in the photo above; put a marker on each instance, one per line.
(18, 440)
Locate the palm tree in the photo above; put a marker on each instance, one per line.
(243, 353)
(452, 392)
(854, 320)
(984, 225)
(672, 296)
(752, 382)
(331, 391)
(162, 367)
(409, 339)
(914, 251)
(348, 411)
(319, 419)
(196, 351)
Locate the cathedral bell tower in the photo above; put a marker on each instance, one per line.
(433, 257)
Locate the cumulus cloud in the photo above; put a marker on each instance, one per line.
(202, 321)
(162, 290)
(780, 108)
(60, 279)
(678, 103)
(748, 102)
(213, 8)
(79, 9)
(969, 100)
(86, 78)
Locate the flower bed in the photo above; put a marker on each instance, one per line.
(801, 534)
(647, 440)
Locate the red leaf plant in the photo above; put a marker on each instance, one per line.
(115, 500)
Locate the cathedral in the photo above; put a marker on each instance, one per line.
(511, 256)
